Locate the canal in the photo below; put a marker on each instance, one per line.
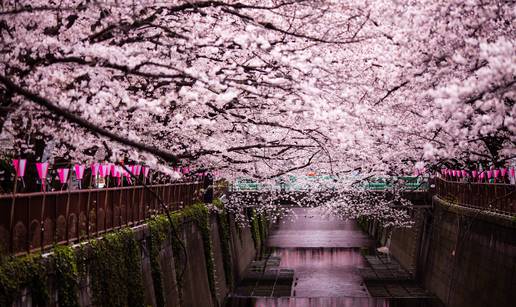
(315, 260)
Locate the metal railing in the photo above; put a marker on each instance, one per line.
(37, 221)
(493, 197)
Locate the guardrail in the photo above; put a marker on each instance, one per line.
(487, 196)
(410, 184)
(36, 221)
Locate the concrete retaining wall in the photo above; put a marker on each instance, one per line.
(464, 256)
(195, 291)
(471, 258)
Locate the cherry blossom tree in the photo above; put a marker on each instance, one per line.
(212, 82)
(261, 88)
(456, 73)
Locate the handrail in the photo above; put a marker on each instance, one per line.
(494, 197)
(477, 183)
(37, 221)
(86, 190)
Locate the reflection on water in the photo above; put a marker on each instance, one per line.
(320, 257)
(325, 272)
(308, 228)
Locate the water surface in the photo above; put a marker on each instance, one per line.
(326, 255)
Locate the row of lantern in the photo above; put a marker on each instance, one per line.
(492, 173)
(102, 170)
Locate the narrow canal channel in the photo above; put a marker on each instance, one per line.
(323, 260)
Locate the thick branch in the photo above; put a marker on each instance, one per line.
(87, 124)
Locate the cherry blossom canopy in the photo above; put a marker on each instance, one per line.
(261, 88)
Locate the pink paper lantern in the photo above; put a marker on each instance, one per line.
(127, 173)
(145, 170)
(482, 175)
(115, 171)
(94, 169)
(474, 174)
(137, 170)
(489, 174)
(104, 170)
(496, 173)
(42, 168)
(19, 167)
(79, 171)
(464, 173)
(63, 174)
(503, 172)
(118, 174)
(511, 171)
(109, 169)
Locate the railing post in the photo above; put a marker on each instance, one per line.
(120, 209)
(112, 202)
(56, 214)
(88, 214)
(169, 203)
(28, 244)
(67, 215)
(180, 195)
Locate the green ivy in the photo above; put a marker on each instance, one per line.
(116, 271)
(255, 228)
(259, 227)
(363, 224)
(225, 238)
(177, 252)
(158, 228)
(114, 264)
(29, 272)
(262, 224)
(200, 215)
(136, 295)
(66, 276)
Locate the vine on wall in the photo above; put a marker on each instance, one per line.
(159, 228)
(225, 239)
(29, 272)
(113, 264)
(116, 271)
(262, 224)
(66, 276)
(201, 217)
(255, 228)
